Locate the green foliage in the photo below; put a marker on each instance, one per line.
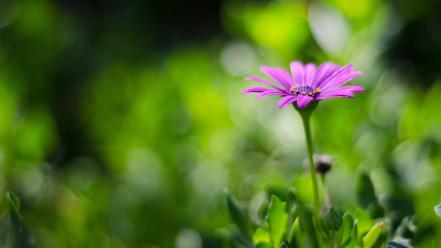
(367, 198)
(14, 203)
(13, 232)
(239, 216)
(276, 219)
(121, 123)
(348, 231)
(300, 226)
(372, 236)
(308, 229)
(333, 219)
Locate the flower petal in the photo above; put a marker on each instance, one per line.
(262, 81)
(254, 89)
(271, 93)
(336, 74)
(285, 101)
(279, 75)
(303, 101)
(346, 91)
(353, 88)
(343, 94)
(310, 70)
(324, 71)
(297, 72)
(336, 82)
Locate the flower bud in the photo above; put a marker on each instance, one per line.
(323, 163)
(333, 219)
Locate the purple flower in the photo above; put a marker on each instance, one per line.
(306, 83)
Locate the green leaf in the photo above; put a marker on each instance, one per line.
(261, 235)
(364, 221)
(277, 219)
(14, 202)
(264, 245)
(347, 226)
(321, 229)
(375, 210)
(333, 219)
(294, 233)
(292, 199)
(284, 245)
(280, 191)
(354, 235)
(371, 237)
(14, 232)
(367, 198)
(263, 210)
(239, 217)
(307, 226)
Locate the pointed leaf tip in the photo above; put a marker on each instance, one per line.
(14, 201)
(277, 219)
(284, 245)
(294, 232)
(372, 236)
(366, 196)
(333, 219)
(239, 216)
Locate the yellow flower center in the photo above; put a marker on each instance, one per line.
(304, 90)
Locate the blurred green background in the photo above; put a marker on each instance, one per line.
(122, 122)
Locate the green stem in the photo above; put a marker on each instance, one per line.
(306, 125)
(327, 197)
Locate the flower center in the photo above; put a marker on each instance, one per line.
(304, 90)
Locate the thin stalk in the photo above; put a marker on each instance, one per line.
(306, 126)
(327, 197)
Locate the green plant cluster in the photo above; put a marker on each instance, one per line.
(287, 221)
